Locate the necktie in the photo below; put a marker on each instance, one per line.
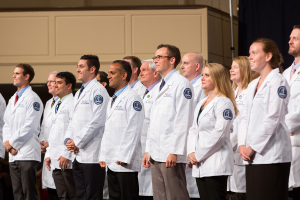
(57, 106)
(81, 89)
(16, 99)
(162, 84)
(293, 72)
(113, 100)
(146, 92)
(53, 102)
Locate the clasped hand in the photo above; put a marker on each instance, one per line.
(71, 146)
(246, 152)
(10, 149)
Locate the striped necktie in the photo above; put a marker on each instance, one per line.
(57, 106)
(113, 100)
(53, 102)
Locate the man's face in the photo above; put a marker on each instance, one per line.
(83, 71)
(61, 89)
(19, 78)
(163, 64)
(294, 43)
(134, 69)
(147, 75)
(188, 66)
(51, 83)
(115, 77)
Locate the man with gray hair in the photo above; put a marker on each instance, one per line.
(191, 66)
(47, 179)
(150, 78)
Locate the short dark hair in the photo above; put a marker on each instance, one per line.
(27, 69)
(173, 51)
(92, 60)
(296, 26)
(103, 77)
(135, 62)
(68, 77)
(125, 67)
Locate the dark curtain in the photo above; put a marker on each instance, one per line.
(272, 19)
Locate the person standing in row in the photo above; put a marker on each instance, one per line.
(209, 146)
(86, 129)
(191, 66)
(170, 119)
(292, 75)
(121, 144)
(57, 158)
(264, 141)
(241, 75)
(47, 179)
(134, 82)
(150, 78)
(20, 134)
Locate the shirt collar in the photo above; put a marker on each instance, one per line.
(152, 86)
(296, 66)
(120, 91)
(22, 91)
(86, 84)
(168, 76)
(55, 98)
(64, 97)
(133, 84)
(196, 79)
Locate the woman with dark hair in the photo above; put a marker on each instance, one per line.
(102, 78)
(263, 137)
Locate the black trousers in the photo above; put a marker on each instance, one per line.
(212, 188)
(52, 194)
(23, 178)
(123, 185)
(295, 193)
(65, 184)
(89, 180)
(267, 181)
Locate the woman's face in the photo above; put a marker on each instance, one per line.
(235, 73)
(207, 83)
(257, 57)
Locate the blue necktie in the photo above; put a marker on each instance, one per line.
(81, 89)
(146, 92)
(113, 100)
(57, 106)
(162, 84)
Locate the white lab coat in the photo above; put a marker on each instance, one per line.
(122, 135)
(87, 122)
(292, 121)
(145, 180)
(22, 126)
(210, 138)
(263, 124)
(170, 119)
(237, 182)
(2, 110)
(47, 179)
(190, 180)
(139, 88)
(60, 122)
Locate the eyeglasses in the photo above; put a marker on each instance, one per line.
(51, 82)
(159, 57)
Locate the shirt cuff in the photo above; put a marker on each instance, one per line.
(66, 140)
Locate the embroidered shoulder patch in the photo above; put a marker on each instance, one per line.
(137, 106)
(188, 93)
(282, 92)
(227, 114)
(98, 99)
(36, 106)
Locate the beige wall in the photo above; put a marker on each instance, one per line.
(55, 40)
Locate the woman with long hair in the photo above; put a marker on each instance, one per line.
(263, 136)
(209, 146)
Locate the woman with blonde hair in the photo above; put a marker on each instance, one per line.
(209, 147)
(241, 75)
(263, 136)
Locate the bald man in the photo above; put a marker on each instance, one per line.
(192, 65)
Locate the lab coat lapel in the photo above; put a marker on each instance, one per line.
(84, 92)
(250, 92)
(167, 85)
(296, 74)
(118, 100)
(26, 92)
(65, 102)
(207, 108)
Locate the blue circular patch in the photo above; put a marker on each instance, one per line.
(137, 106)
(188, 93)
(282, 92)
(227, 114)
(98, 99)
(36, 106)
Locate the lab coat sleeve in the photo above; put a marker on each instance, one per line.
(243, 126)
(292, 121)
(148, 141)
(276, 109)
(6, 127)
(97, 120)
(193, 133)
(103, 148)
(2, 110)
(32, 123)
(42, 133)
(68, 134)
(183, 119)
(219, 133)
(133, 130)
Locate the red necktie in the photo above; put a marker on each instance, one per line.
(16, 99)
